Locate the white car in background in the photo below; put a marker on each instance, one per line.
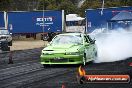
(5, 36)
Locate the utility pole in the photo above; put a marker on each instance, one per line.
(43, 15)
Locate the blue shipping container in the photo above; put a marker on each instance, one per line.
(94, 18)
(2, 23)
(35, 21)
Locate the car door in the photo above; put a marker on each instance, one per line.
(88, 48)
(92, 46)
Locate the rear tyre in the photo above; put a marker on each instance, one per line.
(4, 46)
(45, 65)
(95, 55)
(10, 43)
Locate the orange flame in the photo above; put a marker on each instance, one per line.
(81, 71)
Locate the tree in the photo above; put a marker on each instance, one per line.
(98, 4)
(68, 6)
(5, 5)
(52, 7)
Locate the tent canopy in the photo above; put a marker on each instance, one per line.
(122, 16)
(73, 17)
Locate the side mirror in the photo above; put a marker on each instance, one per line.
(86, 44)
(93, 42)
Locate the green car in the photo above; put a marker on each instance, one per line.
(69, 48)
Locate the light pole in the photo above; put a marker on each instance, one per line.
(43, 15)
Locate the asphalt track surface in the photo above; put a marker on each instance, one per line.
(27, 72)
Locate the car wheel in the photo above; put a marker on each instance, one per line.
(84, 59)
(95, 55)
(10, 43)
(45, 65)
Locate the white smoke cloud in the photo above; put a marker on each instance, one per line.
(114, 46)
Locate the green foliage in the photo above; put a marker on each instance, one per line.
(66, 5)
(70, 6)
(98, 4)
(4, 5)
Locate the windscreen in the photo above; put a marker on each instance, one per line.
(4, 32)
(67, 39)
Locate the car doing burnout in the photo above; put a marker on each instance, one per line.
(69, 48)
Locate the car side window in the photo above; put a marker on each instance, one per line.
(86, 39)
(90, 39)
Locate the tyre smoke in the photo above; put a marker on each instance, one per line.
(114, 45)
